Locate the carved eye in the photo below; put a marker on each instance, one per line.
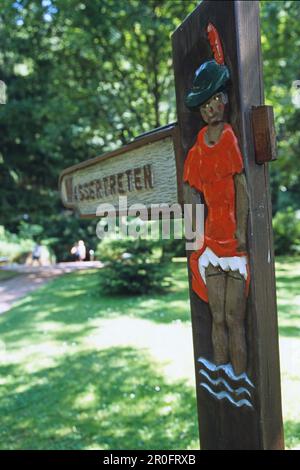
(217, 98)
(206, 105)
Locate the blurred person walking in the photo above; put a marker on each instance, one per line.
(36, 254)
(79, 251)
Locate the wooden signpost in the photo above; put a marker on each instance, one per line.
(245, 413)
(139, 171)
(224, 138)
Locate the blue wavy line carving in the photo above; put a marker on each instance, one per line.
(226, 396)
(220, 380)
(227, 369)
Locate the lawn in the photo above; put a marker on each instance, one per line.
(84, 371)
(288, 299)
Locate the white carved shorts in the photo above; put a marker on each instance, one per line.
(231, 263)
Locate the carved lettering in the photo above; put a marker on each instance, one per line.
(92, 190)
(128, 173)
(99, 189)
(112, 180)
(137, 179)
(81, 192)
(120, 183)
(105, 181)
(148, 178)
(86, 191)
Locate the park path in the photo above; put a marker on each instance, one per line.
(30, 278)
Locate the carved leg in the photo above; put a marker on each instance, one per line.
(235, 311)
(216, 286)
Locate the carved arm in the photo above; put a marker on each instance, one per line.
(241, 209)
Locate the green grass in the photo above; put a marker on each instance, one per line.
(288, 296)
(80, 370)
(288, 300)
(4, 275)
(61, 390)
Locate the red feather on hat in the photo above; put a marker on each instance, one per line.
(215, 43)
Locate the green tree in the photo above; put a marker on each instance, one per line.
(280, 22)
(87, 76)
(83, 77)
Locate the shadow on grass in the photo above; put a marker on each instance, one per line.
(75, 299)
(110, 399)
(290, 284)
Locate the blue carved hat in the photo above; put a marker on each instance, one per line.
(210, 78)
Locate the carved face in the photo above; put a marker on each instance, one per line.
(212, 111)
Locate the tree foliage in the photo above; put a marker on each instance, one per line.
(133, 266)
(280, 21)
(84, 77)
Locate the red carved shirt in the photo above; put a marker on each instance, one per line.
(210, 170)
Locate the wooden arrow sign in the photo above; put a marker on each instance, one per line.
(146, 171)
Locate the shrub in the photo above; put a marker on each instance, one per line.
(132, 266)
(18, 247)
(286, 226)
(12, 247)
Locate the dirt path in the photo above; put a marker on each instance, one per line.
(30, 278)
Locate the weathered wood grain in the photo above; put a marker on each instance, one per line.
(263, 298)
(145, 171)
(264, 134)
(221, 425)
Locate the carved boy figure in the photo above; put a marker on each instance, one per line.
(214, 167)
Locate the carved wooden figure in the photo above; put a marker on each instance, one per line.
(235, 333)
(214, 167)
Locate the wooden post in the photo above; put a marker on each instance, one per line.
(224, 421)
